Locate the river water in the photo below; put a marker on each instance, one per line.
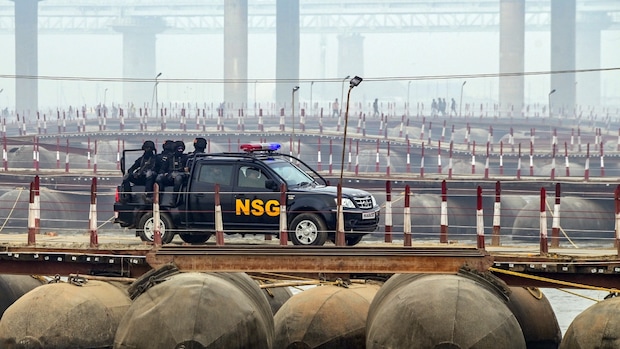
(567, 306)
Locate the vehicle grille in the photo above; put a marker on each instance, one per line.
(363, 202)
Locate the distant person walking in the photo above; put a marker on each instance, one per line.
(375, 107)
(453, 107)
(335, 108)
(434, 107)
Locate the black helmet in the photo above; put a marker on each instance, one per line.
(179, 146)
(148, 145)
(169, 145)
(200, 143)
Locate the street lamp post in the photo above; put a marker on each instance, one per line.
(293, 109)
(255, 102)
(340, 217)
(408, 88)
(311, 105)
(341, 96)
(155, 94)
(549, 101)
(461, 101)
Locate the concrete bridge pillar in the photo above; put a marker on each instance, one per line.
(563, 24)
(588, 85)
(26, 57)
(139, 57)
(287, 49)
(511, 57)
(236, 52)
(350, 55)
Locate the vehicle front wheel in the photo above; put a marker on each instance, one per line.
(146, 228)
(195, 238)
(308, 229)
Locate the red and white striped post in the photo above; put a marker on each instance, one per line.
(617, 227)
(473, 158)
(283, 221)
(219, 222)
(439, 169)
(497, 210)
(531, 158)
(486, 163)
(602, 161)
(430, 133)
(31, 217)
(579, 139)
(350, 155)
(407, 217)
(443, 218)
(318, 160)
(443, 131)
(544, 248)
(450, 160)
(586, 171)
(501, 158)
(377, 158)
(330, 156)
(67, 157)
(519, 163)
(553, 162)
(388, 164)
(88, 154)
(422, 162)
(92, 215)
(566, 163)
(408, 156)
(388, 211)
(555, 223)
(340, 241)
(95, 159)
(479, 219)
(422, 130)
(5, 154)
(511, 140)
(157, 241)
(357, 157)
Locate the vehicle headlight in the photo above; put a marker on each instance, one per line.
(345, 202)
(374, 201)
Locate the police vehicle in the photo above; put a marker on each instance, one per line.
(249, 184)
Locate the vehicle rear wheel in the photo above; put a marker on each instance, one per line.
(195, 238)
(146, 228)
(308, 229)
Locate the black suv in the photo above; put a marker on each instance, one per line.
(249, 191)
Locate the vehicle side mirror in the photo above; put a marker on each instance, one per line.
(271, 185)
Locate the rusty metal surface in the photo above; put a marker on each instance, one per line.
(52, 261)
(320, 259)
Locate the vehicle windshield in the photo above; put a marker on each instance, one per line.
(292, 174)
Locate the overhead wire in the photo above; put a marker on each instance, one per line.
(337, 79)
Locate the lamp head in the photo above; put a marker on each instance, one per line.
(158, 75)
(295, 88)
(552, 91)
(346, 77)
(355, 81)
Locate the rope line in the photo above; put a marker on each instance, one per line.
(552, 281)
(8, 216)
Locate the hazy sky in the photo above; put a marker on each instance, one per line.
(385, 55)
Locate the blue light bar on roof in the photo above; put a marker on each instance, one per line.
(251, 147)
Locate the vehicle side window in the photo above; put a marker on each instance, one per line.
(251, 177)
(215, 173)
